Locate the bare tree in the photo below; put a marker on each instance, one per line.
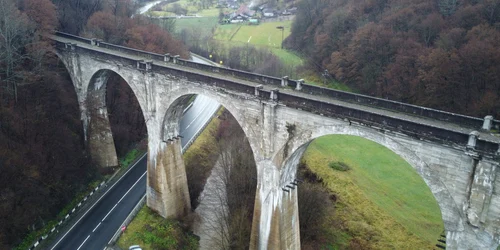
(447, 7)
(230, 190)
(15, 34)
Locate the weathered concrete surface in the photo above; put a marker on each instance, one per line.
(100, 138)
(279, 125)
(167, 191)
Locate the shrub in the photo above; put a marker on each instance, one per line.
(339, 166)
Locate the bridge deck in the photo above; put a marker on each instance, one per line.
(483, 135)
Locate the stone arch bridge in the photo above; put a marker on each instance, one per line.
(456, 155)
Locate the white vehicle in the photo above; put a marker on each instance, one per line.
(135, 247)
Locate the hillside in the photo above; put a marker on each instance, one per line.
(381, 201)
(440, 54)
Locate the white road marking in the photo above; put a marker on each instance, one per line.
(83, 242)
(109, 212)
(97, 202)
(124, 195)
(96, 227)
(196, 117)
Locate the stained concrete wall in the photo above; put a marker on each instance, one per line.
(167, 191)
(462, 180)
(100, 138)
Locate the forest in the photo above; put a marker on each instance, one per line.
(441, 54)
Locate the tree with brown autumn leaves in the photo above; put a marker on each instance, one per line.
(441, 54)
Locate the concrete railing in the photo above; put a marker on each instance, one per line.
(462, 120)
(70, 36)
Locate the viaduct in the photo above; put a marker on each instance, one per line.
(457, 156)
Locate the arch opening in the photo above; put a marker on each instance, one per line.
(220, 169)
(378, 198)
(114, 121)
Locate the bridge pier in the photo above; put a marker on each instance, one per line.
(470, 238)
(275, 222)
(167, 190)
(96, 122)
(481, 208)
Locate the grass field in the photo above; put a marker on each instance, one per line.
(203, 25)
(151, 231)
(263, 35)
(381, 193)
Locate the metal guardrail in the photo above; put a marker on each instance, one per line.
(129, 219)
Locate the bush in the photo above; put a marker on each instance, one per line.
(339, 166)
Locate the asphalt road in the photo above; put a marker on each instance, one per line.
(95, 229)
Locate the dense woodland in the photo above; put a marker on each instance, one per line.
(43, 156)
(436, 53)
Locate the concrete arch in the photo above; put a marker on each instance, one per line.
(450, 210)
(68, 67)
(97, 79)
(95, 117)
(178, 101)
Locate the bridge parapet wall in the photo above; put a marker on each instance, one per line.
(462, 120)
(70, 36)
(416, 130)
(249, 76)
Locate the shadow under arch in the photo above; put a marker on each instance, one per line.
(200, 109)
(96, 118)
(452, 219)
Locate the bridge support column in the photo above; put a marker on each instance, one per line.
(167, 190)
(100, 138)
(470, 238)
(481, 190)
(480, 211)
(276, 215)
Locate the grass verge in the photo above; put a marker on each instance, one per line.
(382, 199)
(130, 157)
(151, 231)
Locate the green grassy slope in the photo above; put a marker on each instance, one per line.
(381, 189)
